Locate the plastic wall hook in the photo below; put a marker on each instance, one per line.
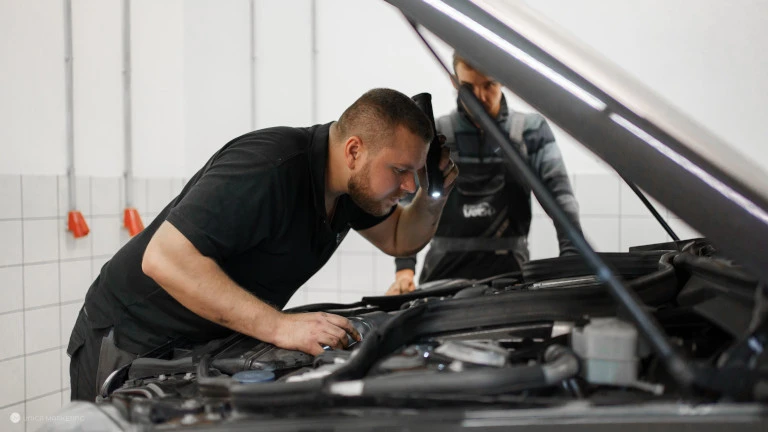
(77, 225)
(132, 221)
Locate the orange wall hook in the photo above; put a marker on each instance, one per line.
(77, 225)
(132, 221)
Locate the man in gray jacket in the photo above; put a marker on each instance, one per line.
(484, 227)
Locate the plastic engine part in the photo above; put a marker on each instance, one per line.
(608, 350)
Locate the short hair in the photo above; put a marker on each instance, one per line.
(379, 111)
(457, 58)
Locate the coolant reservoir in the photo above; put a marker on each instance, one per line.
(608, 349)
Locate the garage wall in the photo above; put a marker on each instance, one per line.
(192, 93)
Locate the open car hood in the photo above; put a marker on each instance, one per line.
(645, 139)
(543, 347)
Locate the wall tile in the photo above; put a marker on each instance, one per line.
(683, 230)
(177, 184)
(139, 196)
(41, 329)
(108, 235)
(70, 247)
(630, 204)
(105, 196)
(384, 273)
(10, 243)
(65, 397)
(159, 194)
(356, 273)
(602, 233)
(12, 379)
(41, 240)
(542, 239)
(68, 317)
(328, 276)
(11, 335)
(352, 296)
(18, 409)
(356, 243)
(536, 208)
(41, 413)
(43, 374)
(41, 284)
(10, 190)
(641, 231)
(11, 289)
(299, 299)
(597, 194)
(83, 203)
(97, 264)
(318, 296)
(64, 370)
(76, 278)
(39, 196)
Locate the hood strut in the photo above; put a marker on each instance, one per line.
(677, 366)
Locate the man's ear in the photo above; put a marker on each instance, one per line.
(353, 148)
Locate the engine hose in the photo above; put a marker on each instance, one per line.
(560, 364)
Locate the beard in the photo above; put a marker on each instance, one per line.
(360, 191)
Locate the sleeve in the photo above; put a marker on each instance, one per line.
(402, 263)
(231, 206)
(548, 164)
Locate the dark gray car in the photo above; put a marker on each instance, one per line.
(662, 337)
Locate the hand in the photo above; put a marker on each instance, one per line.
(447, 166)
(403, 283)
(308, 332)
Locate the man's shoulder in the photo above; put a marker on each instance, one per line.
(535, 130)
(446, 125)
(275, 145)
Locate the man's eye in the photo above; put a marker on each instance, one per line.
(400, 171)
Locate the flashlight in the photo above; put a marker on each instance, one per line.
(434, 176)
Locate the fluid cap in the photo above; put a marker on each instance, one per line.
(253, 376)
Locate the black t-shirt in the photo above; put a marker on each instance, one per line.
(258, 209)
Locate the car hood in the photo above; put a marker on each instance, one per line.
(677, 161)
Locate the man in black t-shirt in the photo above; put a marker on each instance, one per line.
(256, 222)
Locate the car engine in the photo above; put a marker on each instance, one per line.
(544, 337)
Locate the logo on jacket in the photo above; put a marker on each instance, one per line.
(478, 210)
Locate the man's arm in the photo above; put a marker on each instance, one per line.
(198, 283)
(409, 228)
(549, 165)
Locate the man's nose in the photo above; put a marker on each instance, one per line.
(409, 183)
(479, 94)
(483, 96)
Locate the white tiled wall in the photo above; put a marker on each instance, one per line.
(44, 275)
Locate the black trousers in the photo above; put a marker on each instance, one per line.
(93, 356)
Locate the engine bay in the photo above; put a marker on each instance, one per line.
(545, 337)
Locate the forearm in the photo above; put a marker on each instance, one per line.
(200, 285)
(417, 224)
(571, 209)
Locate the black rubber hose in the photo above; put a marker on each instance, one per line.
(560, 364)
